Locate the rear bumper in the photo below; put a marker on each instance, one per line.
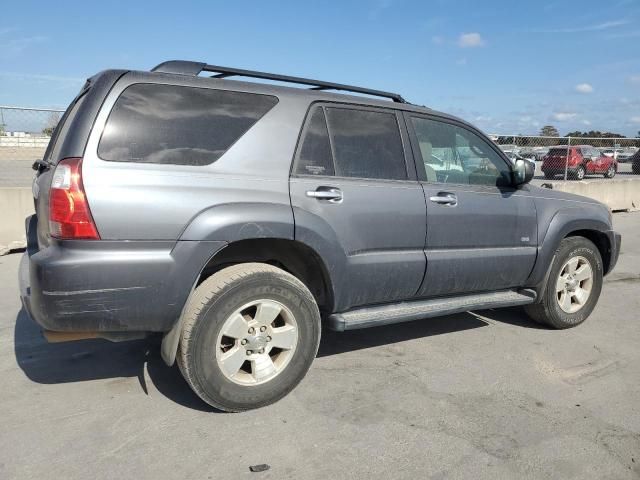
(552, 170)
(109, 286)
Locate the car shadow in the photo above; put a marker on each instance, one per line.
(85, 360)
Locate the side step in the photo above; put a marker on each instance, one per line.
(419, 309)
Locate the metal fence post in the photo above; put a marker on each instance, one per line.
(566, 159)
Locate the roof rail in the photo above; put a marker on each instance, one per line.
(183, 67)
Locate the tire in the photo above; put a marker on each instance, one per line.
(635, 168)
(580, 172)
(211, 314)
(548, 176)
(611, 172)
(549, 311)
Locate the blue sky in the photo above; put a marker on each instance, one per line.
(506, 66)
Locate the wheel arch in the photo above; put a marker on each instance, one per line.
(565, 223)
(292, 256)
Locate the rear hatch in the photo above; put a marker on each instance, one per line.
(556, 158)
(45, 168)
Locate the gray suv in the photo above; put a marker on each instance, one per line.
(235, 218)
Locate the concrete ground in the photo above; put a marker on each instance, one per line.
(483, 395)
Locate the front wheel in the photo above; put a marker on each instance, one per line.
(573, 287)
(611, 172)
(250, 334)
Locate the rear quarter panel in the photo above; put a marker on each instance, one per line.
(137, 201)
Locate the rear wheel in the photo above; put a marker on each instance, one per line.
(574, 285)
(580, 172)
(250, 334)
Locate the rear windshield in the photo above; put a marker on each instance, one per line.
(52, 153)
(558, 151)
(169, 124)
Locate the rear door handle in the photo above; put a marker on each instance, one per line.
(445, 198)
(331, 194)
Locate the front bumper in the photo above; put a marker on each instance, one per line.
(615, 240)
(109, 286)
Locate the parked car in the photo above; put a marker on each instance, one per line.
(541, 152)
(635, 162)
(234, 217)
(579, 160)
(625, 155)
(516, 156)
(528, 153)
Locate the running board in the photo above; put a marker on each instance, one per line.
(419, 309)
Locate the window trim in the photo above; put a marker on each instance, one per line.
(402, 129)
(163, 84)
(417, 154)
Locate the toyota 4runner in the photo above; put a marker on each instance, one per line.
(235, 218)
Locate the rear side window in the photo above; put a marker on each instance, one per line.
(366, 144)
(315, 152)
(169, 124)
(349, 142)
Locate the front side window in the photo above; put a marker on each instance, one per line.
(170, 124)
(452, 154)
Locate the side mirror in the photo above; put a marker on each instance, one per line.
(523, 172)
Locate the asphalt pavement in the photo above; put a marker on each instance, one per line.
(477, 395)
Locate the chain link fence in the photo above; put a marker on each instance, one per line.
(25, 133)
(24, 136)
(572, 158)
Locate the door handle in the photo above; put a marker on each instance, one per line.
(445, 198)
(331, 194)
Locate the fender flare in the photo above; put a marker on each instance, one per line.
(564, 222)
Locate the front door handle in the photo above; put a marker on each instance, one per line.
(332, 194)
(445, 198)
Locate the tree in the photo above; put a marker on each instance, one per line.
(52, 122)
(549, 131)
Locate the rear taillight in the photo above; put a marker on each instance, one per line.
(69, 214)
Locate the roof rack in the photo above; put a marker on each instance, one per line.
(183, 67)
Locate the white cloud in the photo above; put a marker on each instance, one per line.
(586, 122)
(461, 62)
(470, 40)
(379, 7)
(14, 47)
(635, 120)
(437, 39)
(584, 88)
(632, 34)
(563, 116)
(589, 28)
(635, 79)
